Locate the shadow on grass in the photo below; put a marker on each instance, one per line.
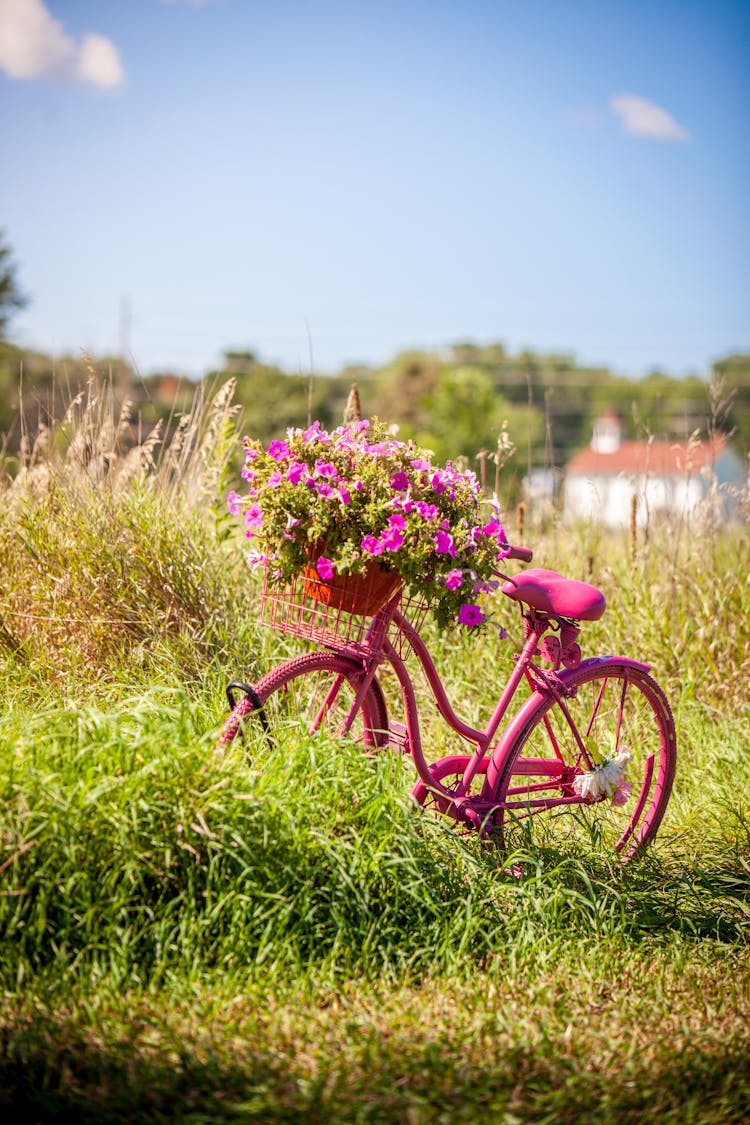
(51, 1072)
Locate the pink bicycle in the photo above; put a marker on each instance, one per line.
(591, 749)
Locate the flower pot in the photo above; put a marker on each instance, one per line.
(363, 594)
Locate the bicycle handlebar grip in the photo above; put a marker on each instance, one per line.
(523, 554)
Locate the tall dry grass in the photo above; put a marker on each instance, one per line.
(113, 542)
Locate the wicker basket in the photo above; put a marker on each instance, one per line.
(337, 612)
(361, 594)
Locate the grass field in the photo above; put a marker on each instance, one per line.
(191, 938)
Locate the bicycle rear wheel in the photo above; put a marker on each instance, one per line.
(308, 693)
(616, 707)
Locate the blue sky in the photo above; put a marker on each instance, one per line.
(359, 178)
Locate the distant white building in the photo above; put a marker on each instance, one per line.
(666, 477)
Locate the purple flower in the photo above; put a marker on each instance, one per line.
(345, 497)
(247, 474)
(426, 511)
(438, 481)
(323, 488)
(326, 469)
(454, 579)
(470, 615)
(256, 558)
(290, 523)
(444, 544)
(421, 465)
(496, 531)
(233, 503)
(278, 450)
(275, 479)
(253, 520)
(392, 538)
(372, 545)
(296, 471)
(324, 568)
(622, 793)
(399, 482)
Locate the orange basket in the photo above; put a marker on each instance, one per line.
(334, 613)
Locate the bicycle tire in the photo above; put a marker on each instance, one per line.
(293, 695)
(616, 705)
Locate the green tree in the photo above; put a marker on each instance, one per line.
(732, 383)
(11, 297)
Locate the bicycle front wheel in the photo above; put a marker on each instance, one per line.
(312, 692)
(609, 709)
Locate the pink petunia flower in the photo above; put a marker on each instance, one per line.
(399, 482)
(454, 579)
(425, 510)
(233, 503)
(470, 615)
(296, 471)
(622, 793)
(278, 450)
(392, 538)
(372, 545)
(256, 558)
(324, 568)
(444, 544)
(253, 520)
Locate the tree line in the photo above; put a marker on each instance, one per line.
(462, 401)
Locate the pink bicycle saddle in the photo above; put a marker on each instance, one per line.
(550, 592)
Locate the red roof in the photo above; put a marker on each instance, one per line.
(664, 458)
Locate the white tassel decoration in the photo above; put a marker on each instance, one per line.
(606, 780)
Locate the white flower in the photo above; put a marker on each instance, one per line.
(605, 779)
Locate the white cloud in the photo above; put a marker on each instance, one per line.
(35, 45)
(99, 63)
(644, 119)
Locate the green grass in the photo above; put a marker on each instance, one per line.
(191, 938)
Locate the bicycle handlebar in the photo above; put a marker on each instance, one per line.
(523, 554)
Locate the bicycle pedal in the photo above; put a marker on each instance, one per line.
(398, 737)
